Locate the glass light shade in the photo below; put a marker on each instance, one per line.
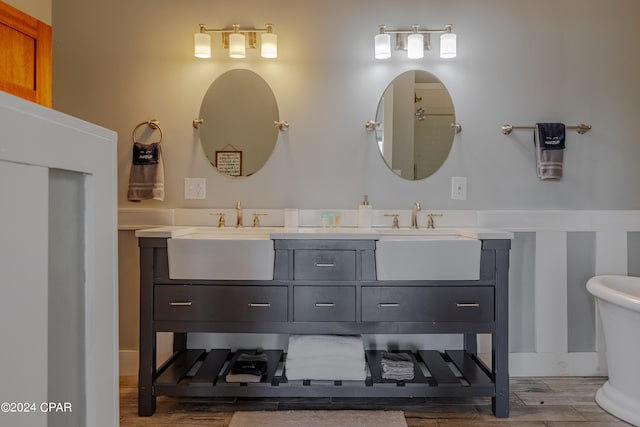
(269, 45)
(202, 45)
(448, 45)
(236, 45)
(383, 46)
(415, 46)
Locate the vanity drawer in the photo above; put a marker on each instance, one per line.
(427, 304)
(220, 303)
(324, 303)
(315, 264)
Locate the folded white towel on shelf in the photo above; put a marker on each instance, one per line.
(326, 357)
(303, 346)
(324, 372)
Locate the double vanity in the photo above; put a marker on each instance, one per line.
(312, 280)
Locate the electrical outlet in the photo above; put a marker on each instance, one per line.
(195, 188)
(459, 188)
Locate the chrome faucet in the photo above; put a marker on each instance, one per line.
(414, 215)
(238, 214)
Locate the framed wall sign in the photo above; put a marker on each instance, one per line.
(229, 162)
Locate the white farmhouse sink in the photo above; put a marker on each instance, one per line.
(455, 233)
(207, 253)
(427, 255)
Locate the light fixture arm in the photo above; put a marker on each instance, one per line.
(415, 29)
(236, 29)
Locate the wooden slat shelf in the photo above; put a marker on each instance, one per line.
(179, 368)
(208, 380)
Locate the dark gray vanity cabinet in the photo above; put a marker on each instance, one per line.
(324, 287)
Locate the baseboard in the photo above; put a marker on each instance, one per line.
(128, 362)
(129, 359)
(556, 364)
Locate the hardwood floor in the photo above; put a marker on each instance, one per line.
(543, 401)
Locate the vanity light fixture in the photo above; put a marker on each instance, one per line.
(415, 41)
(237, 40)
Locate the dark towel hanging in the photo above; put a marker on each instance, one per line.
(551, 136)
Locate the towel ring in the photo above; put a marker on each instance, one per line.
(153, 124)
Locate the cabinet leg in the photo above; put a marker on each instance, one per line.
(146, 402)
(500, 406)
(500, 403)
(147, 351)
(500, 341)
(146, 375)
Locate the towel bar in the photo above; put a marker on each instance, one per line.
(581, 128)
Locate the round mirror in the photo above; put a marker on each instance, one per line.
(237, 131)
(415, 115)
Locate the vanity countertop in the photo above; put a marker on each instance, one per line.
(345, 233)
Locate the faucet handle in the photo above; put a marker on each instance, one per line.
(256, 219)
(221, 222)
(430, 222)
(395, 220)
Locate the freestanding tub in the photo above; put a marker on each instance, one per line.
(618, 302)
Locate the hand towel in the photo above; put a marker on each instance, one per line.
(549, 144)
(146, 179)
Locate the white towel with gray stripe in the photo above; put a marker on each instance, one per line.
(146, 179)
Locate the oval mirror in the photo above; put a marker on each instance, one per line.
(415, 133)
(237, 132)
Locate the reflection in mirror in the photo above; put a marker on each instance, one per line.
(237, 132)
(415, 115)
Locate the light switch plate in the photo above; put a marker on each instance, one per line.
(195, 188)
(459, 188)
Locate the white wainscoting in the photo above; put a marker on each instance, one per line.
(59, 302)
(549, 352)
(552, 356)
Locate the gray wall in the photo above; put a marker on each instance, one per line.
(117, 63)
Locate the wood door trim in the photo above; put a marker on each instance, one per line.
(41, 34)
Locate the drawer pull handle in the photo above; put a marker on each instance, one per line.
(325, 304)
(388, 304)
(180, 303)
(467, 304)
(259, 304)
(325, 264)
